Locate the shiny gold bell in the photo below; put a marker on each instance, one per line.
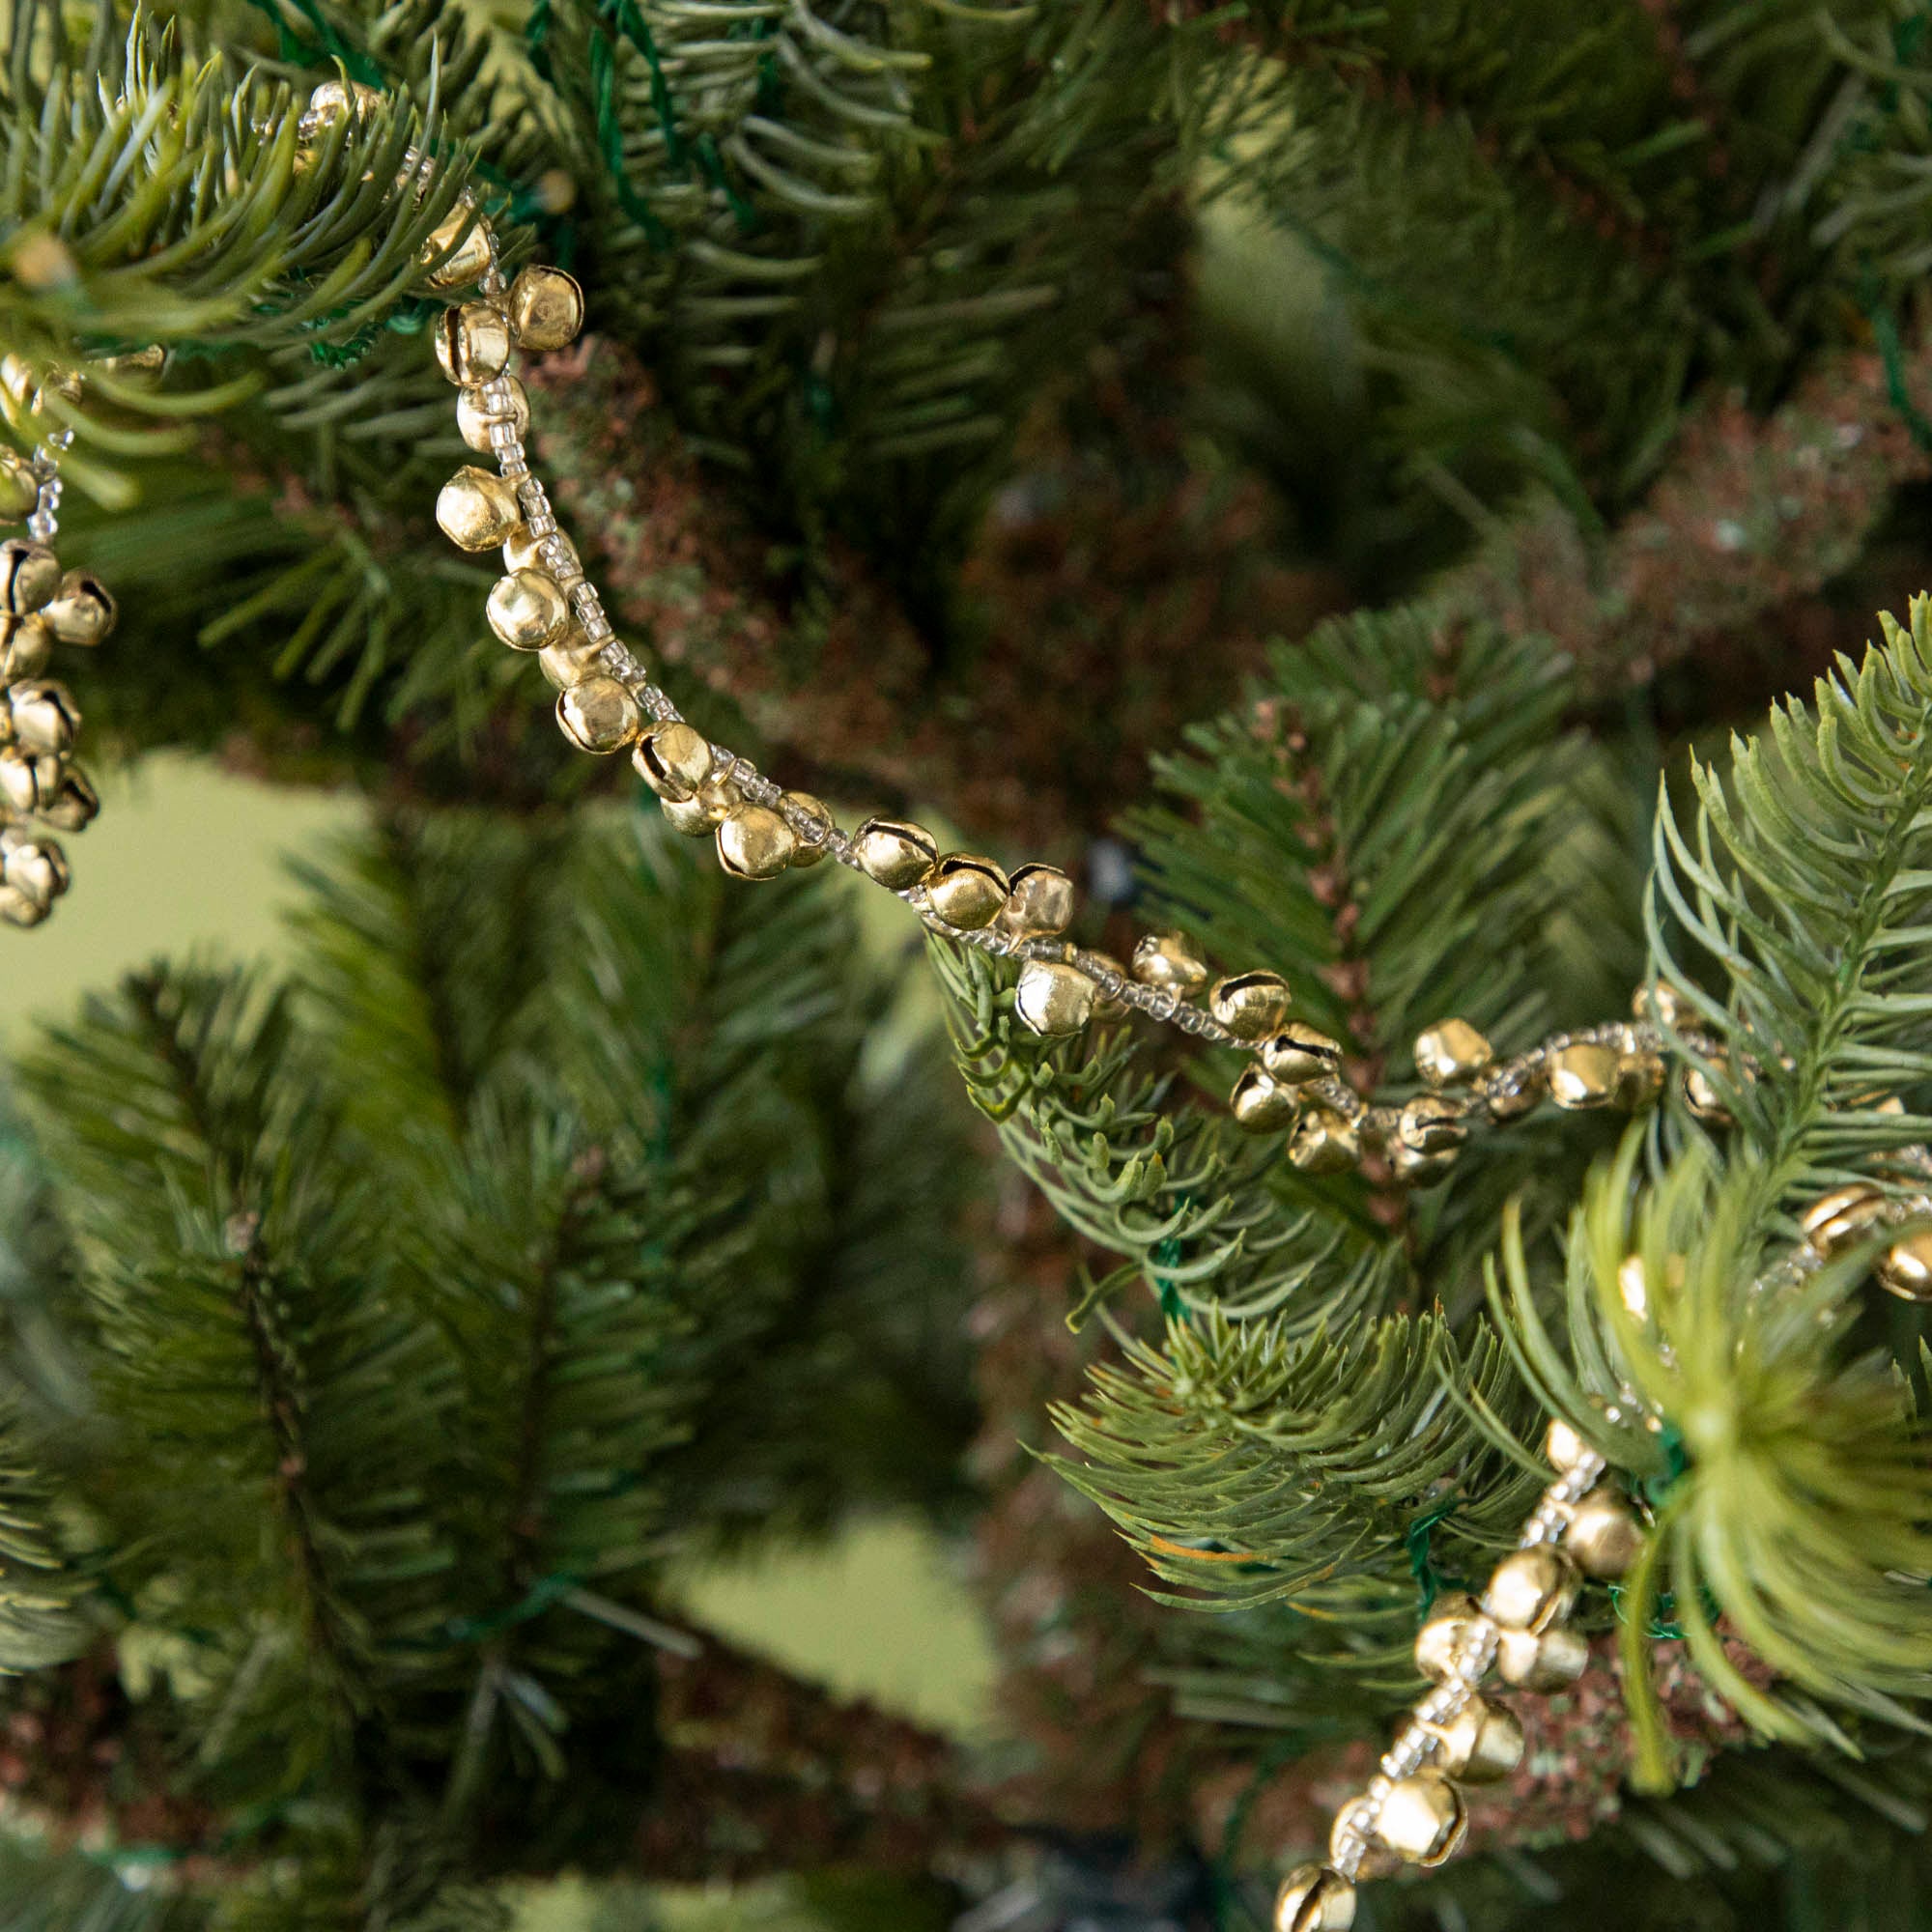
(1315, 1898)
(966, 890)
(80, 611)
(1251, 1005)
(476, 509)
(754, 842)
(1583, 1076)
(546, 309)
(19, 487)
(1482, 1743)
(1296, 1053)
(1423, 1818)
(1905, 1268)
(707, 808)
(1839, 1219)
(1433, 1124)
(1541, 1660)
(26, 643)
(1261, 1104)
(1602, 1536)
(41, 717)
(1324, 1142)
(1532, 1589)
(1451, 1053)
(1054, 999)
(472, 343)
(1170, 962)
(673, 758)
(1041, 903)
(817, 814)
(895, 852)
(30, 576)
(599, 713)
(476, 416)
(1445, 1634)
(456, 252)
(527, 610)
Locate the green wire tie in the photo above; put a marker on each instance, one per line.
(1429, 1582)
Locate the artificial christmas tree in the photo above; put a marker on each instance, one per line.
(555, 1220)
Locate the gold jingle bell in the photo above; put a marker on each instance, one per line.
(33, 868)
(811, 845)
(1054, 999)
(1445, 1634)
(599, 713)
(476, 509)
(895, 852)
(673, 758)
(1451, 1053)
(336, 99)
(74, 805)
(41, 717)
(1433, 1124)
(1602, 1537)
(1169, 962)
(19, 487)
(708, 806)
(1532, 1589)
(29, 781)
(30, 576)
(754, 842)
(570, 659)
(1251, 1005)
(1837, 1220)
(476, 416)
(1324, 1142)
(456, 252)
(546, 309)
(26, 643)
(966, 890)
(1541, 1660)
(1482, 1743)
(1315, 1898)
(1583, 1076)
(1701, 1096)
(1662, 1004)
(1296, 1053)
(1415, 1169)
(1563, 1446)
(1511, 1091)
(1905, 1268)
(1422, 1819)
(472, 343)
(528, 609)
(80, 611)
(1261, 1104)
(1040, 904)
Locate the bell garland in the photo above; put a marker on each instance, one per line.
(42, 605)
(1414, 1809)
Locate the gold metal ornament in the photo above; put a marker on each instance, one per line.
(1842, 1218)
(19, 487)
(1423, 1818)
(33, 868)
(524, 551)
(895, 852)
(41, 717)
(1355, 1824)
(1054, 999)
(1445, 1634)
(1433, 1124)
(599, 713)
(527, 610)
(476, 509)
(74, 805)
(1602, 1537)
(456, 252)
(1905, 1268)
(29, 781)
(707, 808)
(1324, 1142)
(1541, 1660)
(476, 416)
(1482, 1743)
(966, 890)
(1041, 903)
(1530, 1589)
(1451, 1053)
(1299, 1053)
(472, 343)
(1170, 962)
(26, 643)
(1261, 1104)
(799, 805)
(336, 99)
(80, 611)
(1583, 1076)
(1563, 1446)
(1251, 1005)
(1511, 1091)
(1701, 1096)
(754, 842)
(673, 759)
(30, 576)
(1315, 1898)
(570, 659)
(546, 309)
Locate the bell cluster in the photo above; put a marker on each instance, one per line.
(42, 789)
(1414, 1810)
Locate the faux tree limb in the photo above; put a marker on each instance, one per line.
(1754, 517)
